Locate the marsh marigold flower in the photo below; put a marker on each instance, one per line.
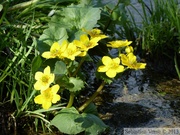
(130, 61)
(56, 50)
(71, 52)
(119, 43)
(44, 79)
(129, 49)
(48, 96)
(111, 66)
(84, 44)
(96, 33)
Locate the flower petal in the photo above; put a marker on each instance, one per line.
(55, 46)
(102, 68)
(120, 69)
(84, 38)
(56, 98)
(46, 55)
(106, 60)
(55, 88)
(111, 73)
(47, 70)
(46, 105)
(37, 85)
(38, 75)
(116, 60)
(39, 99)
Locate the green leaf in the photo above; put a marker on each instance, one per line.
(1, 7)
(78, 84)
(74, 18)
(60, 68)
(65, 121)
(63, 81)
(69, 121)
(36, 63)
(51, 35)
(97, 125)
(91, 108)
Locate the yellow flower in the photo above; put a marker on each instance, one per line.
(96, 33)
(44, 79)
(85, 43)
(129, 49)
(119, 43)
(111, 66)
(48, 96)
(56, 50)
(71, 52)
(130, 61)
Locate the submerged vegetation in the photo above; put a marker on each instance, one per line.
(45, 43)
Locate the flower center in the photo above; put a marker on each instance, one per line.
(47, 95)
(45, 79)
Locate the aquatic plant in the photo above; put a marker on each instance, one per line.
(42, 58)
(65, 45)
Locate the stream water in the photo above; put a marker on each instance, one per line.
(139, 100)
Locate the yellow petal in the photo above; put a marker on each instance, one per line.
(116, 60)
(55, 88)
(129, 49)
(141, 65)
(39, 99)
(111, 73)
(38, 75)
(47, 70)
(56, 98)
(120, 69)
(46, 105)
(46, 55)
(55, 46)
(102, 68)
(64, 45)
(106, 60)
(84, 38)
(37, 85)
(132, 57)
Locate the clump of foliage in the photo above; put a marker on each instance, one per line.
(44, 46)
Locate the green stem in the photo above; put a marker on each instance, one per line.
(71, 100)
(176, 66)
(22, 5)
(79, 66)
(81, 108)
(110, 21)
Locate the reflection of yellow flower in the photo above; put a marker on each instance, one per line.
(56, 50)
(48, 96)
(96, 33)
(119, 43)
(129, 49)
(130, 61)
(43, 79)
(111, 66)
(71, 51)
(85, 43)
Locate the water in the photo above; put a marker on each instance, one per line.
(134, 101)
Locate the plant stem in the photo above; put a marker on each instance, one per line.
(22, 5)
(79, 66)
(176, 66)
(81, 108)
(71, 100)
